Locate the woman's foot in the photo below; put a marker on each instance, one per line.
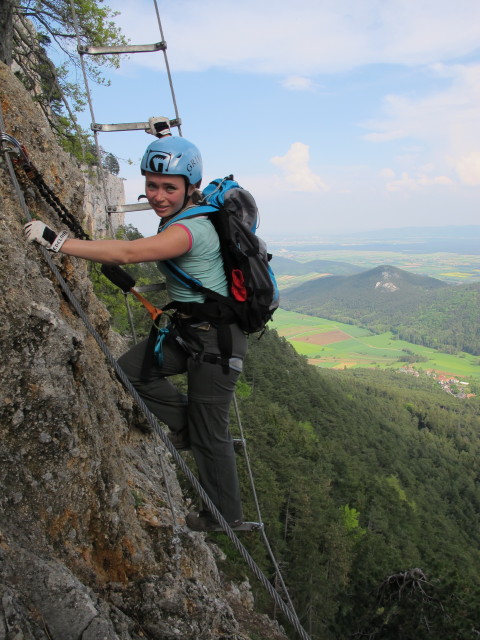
(180, 439)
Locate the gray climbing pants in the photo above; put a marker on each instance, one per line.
(205, 411)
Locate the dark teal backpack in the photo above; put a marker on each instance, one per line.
(253, 290)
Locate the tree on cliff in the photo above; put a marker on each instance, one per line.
(6, 31)
(32, 32)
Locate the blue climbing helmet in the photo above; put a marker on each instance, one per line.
(173, 155)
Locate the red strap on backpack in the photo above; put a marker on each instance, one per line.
(238, 288)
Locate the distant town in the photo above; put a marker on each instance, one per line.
(449, 384)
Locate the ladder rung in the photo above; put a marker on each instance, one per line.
(124, 208)
(127, 48)
(129, 126)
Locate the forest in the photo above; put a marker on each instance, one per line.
(368, 487)
(369, 484)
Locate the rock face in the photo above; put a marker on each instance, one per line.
(97, 222)
(87, 549)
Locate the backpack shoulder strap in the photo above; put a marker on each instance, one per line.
(194, 212)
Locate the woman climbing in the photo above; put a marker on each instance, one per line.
(172, 167)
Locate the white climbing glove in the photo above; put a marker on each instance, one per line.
(37, 231)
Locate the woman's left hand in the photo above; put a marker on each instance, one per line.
(37, 231)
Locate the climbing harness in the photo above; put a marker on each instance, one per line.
(10, 146)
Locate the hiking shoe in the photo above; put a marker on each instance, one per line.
(204, 521)
(180, 439)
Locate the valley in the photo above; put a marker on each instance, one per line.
(453, 268)
(333, 344)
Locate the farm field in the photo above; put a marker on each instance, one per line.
(332, 344)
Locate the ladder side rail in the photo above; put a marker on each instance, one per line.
(167, 66)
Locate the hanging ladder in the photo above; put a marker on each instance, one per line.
(154, 125)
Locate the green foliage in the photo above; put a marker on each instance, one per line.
(243, 390)
(110, 163)
(368, 486)
(351, 521)
(54, 36)
(361, 474)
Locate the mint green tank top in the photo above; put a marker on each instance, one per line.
(203, 261)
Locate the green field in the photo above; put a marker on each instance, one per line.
(331, 344)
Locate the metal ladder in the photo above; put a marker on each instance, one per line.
(157, 126)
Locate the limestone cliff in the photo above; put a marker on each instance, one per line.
(86, 544)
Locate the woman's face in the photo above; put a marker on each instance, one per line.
(165, 194)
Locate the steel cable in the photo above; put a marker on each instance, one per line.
(257, 504)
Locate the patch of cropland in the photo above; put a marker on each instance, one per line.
(334, 345)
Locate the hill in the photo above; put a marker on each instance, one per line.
(364, 476)
(418, 309)
(286, 266)
(372, 296)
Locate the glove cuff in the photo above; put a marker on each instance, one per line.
(58, 242)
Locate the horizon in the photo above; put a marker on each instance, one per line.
(454, 233)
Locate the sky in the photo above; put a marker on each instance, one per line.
(339, 116)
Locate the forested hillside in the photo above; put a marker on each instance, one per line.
(418, 309)
(369, 486)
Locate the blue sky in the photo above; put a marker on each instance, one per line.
(338, 115)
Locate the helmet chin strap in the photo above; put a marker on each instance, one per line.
(187, 197)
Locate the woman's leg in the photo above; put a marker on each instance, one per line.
(210, 392)
(159, 394)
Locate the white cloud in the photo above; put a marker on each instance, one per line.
(425, 133)
(444, 125)
(298, 83)
(387, 173)
(416, 182)
(297, 174)
(309, 38)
